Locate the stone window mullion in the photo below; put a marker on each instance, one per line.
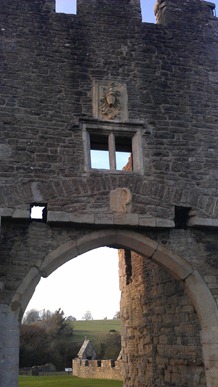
(112, 151)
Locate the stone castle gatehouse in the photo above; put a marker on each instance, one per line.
(102, 80)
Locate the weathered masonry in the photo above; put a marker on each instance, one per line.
(103, 81)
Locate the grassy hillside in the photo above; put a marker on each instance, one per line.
(93, 329)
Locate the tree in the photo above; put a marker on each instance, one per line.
(71, 318)
(87, 315)
(58, 326)
(110, 345)
(34, 345)
(47, 340)
(31, 317)
(116, 316)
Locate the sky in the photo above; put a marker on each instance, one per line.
(89, 282)
(69, 6)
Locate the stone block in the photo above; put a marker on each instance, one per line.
(136, 242)
(88, 218)
(211, 279)
(96, 239)
(58, 216)
(21, 214)
(195, 221)
(165, 223)
(58, 257)
(146, 221)
(126, 219)
(202, 300)
(6, 212)
(178, 267)
(104, 218)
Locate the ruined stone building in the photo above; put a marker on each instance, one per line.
(85, 365)
(102, 80)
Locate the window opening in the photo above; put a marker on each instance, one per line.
(181, 217)
(110, 152)
(38, 212)
(99, 152)
(113, 363)
(100, 159)
(123, 146)
(128, 264)
(66, 6)
(113, 146)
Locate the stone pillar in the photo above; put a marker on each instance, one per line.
(209, 339)
(9, 347)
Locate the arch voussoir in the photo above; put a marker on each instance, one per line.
(178, 267)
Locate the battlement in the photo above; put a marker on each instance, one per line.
(97, 369)
(111, 11)
(183, 11)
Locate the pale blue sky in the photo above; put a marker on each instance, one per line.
(147, 6)
(90, 281)
(69, 6)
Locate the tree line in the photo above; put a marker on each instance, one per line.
(47, 337)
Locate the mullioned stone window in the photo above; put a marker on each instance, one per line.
(112, 146)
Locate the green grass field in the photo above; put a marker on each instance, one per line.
(93, 329)
(65, 381)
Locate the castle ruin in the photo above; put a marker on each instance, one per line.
(102, 80)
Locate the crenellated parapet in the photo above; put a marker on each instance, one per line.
(98, 369)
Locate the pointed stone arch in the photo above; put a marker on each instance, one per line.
(179, 268)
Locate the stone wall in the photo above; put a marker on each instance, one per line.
(49, 66)
(98, 369)
(54, 69)
(160, 327)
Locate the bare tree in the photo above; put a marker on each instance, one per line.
(87, 315)
(31, 317)
(116, 316)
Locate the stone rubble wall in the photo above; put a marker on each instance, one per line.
(160, 336)
(49, 64)
(98, 369)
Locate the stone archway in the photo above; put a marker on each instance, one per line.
(178, 267)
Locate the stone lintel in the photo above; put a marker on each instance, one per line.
(6, 212)
(202, 222)
(146, 221)
(103, 218)
(126, 219)
(165, 223)
(66, 217)
(108, 218)
(21, 214)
